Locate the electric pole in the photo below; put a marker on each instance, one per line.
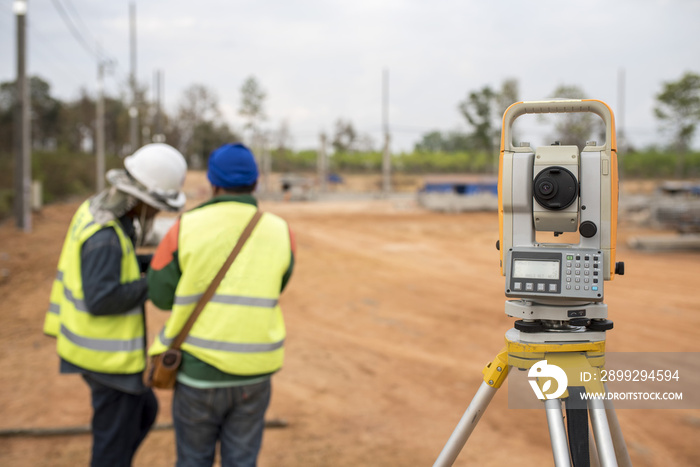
(100, 129)
(622, 142)
(133, 110)
(322, 165)
(23, 166)
(159, 137)
(386, 158)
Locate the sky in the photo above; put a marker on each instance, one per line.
(323, 60)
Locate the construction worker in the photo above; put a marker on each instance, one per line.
(236, 343)
(96, 308)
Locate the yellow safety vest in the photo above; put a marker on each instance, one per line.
(241, 329)
(106, 344)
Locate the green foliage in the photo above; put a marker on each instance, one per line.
(478, 109)
(653, 163)
(437, 141)
(356, 162)
(6, 199)
(678, 108)
(442, 162)
(252, 103)
(66, 174)
(483, 111)
(573, 128)
(62, 173)
(290, 161)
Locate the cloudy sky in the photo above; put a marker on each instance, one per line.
(321, 60)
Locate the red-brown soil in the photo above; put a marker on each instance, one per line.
(392, 313)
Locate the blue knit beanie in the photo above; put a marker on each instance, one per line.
(232, 165)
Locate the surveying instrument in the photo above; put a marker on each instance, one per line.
(557, 208)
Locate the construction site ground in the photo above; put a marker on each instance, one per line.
(392, 313)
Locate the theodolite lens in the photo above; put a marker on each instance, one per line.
(547, 188)
(555, 188)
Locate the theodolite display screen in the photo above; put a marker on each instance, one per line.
(555, 273)
(524, 269)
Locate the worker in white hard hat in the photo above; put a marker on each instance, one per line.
(96, 309)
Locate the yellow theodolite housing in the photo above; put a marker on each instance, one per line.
(558, 189)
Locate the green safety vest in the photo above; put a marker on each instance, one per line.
(105, 344)
(241, 330)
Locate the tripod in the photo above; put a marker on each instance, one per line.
(575, 358)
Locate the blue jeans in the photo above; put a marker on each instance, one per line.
(120, 422)
(235, 416)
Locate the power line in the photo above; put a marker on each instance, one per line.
(95, 52)
(49, 53)
(75, 14)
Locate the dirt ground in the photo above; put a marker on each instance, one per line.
(392, 313)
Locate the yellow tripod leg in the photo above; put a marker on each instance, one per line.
(494, 375)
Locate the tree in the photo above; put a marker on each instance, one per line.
(507, 96)
(45, 111)
(484, 110)
(196, 128)
(7, 106)
(678, 109)
(449, 142)
(478, 109)
(344, 136)
(77, 119)
(252, 104)
(578, 127)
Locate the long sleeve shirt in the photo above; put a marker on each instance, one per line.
(101, 258)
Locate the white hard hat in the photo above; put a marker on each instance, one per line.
(158, 171)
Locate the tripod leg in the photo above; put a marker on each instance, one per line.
(494, 375)
(623, 457)
(577, 428)
(466, 425)
(601, 432)
(592, 451)
(557, 433)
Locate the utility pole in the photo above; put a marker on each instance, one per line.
(322, 165)
(133, 110)
(159, 137)
(622, 142)
(268, 164)
(265, 162)
(100, 129)
(386, 158)
(23, 166)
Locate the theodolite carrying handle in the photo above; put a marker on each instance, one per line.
(595, 106)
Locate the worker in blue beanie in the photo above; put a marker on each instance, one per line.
(237, 342)
(232, 166)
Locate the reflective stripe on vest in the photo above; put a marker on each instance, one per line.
(52, 323)
(80, 305)
(241, 329)
(103, 345)
(224, 346)
(53, 306)
(107, 344)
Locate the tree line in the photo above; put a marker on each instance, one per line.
(197, 126)
(63, 133)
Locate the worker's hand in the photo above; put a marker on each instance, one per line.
(144, 262)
